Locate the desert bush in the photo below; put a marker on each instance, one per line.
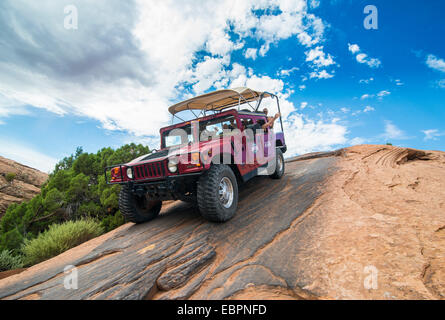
(111, 222)
(8, 261)
(10, 176)
(59, 238)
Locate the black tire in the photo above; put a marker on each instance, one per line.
(279, 169)
(136, 208)
(211, 205)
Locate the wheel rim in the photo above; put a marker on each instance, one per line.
(280, 164)
(226, 192)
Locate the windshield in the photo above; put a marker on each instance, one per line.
(215, 128)
(208, 130)
(178, 136)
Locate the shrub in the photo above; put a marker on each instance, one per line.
(10, 176)
(112, 222)
(11, 240)
(8, 261)
(59, 238)
(389, 144)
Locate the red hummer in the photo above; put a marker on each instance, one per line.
(203, 160)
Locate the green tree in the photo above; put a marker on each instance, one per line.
(10, 176)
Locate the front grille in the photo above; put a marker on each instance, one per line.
(150, 170)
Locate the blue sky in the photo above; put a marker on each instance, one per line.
(109, 80)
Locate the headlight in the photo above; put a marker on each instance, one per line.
(172, 166)
(130, 173)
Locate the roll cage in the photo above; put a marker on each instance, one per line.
(220, 100)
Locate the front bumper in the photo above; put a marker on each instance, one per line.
(181, 186)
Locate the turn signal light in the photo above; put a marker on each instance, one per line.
(195, 158)
(115, 173)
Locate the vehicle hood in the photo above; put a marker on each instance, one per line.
(164, 153)
(198, 146)
(157, 155)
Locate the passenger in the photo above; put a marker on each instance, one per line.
(266, 125)
(268, 118)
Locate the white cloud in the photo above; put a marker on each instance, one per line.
(440, 83)
(323, 74)
(393, 132)
(368, 109)
(398, 82)
(357, 141)
(308, 135)
(11, 107)
(303, 105)
(383, 93)
(25, 155)
(366, 80)
(380, 95)
(372, 62)
(366, 96)
(7, 111)
(318, 57)
(251, 53)
(435, 63)
(363, 57)
(302, 87)
(354, 48)
(264, 49)
(432, 134)
(287, 72)
(314, 4)
(344, 110)
(207, 72)
(219, 43)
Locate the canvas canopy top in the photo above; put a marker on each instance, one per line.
(218, 100)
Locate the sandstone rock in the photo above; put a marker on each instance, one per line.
(26, 184)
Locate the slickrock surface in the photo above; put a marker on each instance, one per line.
(367, 222)
(384, 208)
(26, 184)
(181, 255)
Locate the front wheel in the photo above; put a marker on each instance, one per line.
(218, 193)
(136, 208)
(279, 165)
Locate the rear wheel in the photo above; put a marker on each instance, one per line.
(136, 208)
(279, 165)
(218, 193)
